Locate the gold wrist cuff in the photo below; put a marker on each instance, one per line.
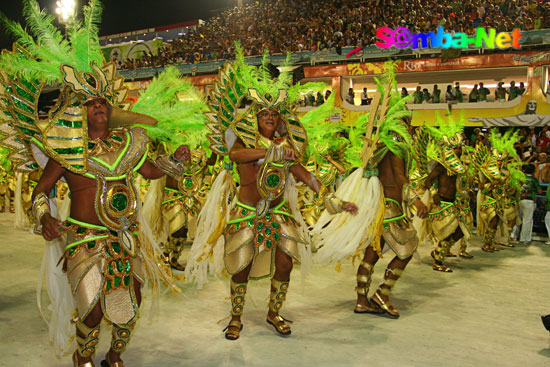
(40, 206)
(169, 165)
(275, 153)
(333, 204)
(409, 194)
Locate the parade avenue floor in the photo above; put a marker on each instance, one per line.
(485, 313)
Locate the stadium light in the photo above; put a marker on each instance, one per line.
(65, 9)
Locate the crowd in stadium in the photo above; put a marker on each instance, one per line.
(311, 25)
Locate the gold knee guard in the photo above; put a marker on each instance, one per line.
(365, 279)
(238, 292)
(277, 296)
(87, 339)
(121, 336)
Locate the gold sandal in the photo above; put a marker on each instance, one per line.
(368, 308)
(86, 364)
(465, 255)
(104, 363)
(440, 267)
(279, 323)
(385, 306)
(233, 334)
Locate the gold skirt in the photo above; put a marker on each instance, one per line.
(100, 269)
(398, 232)
(252, 240)
(443, 220)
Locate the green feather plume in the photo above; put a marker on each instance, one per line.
(178, 107)
(323, 135)
(505, 142)
(47, 46)
(448, 127)
(259, 78)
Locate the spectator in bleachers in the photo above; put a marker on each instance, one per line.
(319, 100)
(544, 169)
(482, 93)
(457, 93)
(327, 94)
(500, 93)
(296, 25)
(513, 91)
(521, 88)
(417, 95)
(436, 94)
(351, 96)
(527, 204)
(449, 94)
(364, 97)
(547, 217)
(404, 92)
(474, 95)
(426, 97)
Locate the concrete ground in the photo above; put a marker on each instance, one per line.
(487, 312)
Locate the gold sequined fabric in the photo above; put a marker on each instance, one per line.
(101, 270)
(399, 234)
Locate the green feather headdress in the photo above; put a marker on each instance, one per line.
(447, 127)
(178, 107)
(393, 131)
(266, 92)
(504, 144)
(47, 46)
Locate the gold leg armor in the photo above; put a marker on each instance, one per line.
(390, 278)
(121, 337)
(238, 292)
(277, 297)
(87, 339)
(488, 240)
(439, 256)
(363, 284)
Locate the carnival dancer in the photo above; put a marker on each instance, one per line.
(172, 204)
(87, 140)
(445, 225)
(465, 192)
(492, 165)
(264, 233)
(383, 193)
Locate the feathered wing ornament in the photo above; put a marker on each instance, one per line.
(344, 235)
(178, 107)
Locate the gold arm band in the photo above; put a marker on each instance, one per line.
(333, 204)
(40, 206)
(170, 165)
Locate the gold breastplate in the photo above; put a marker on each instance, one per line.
(115, 159)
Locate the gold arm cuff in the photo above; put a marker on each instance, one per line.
(169, 165)
(40, 206)
(333, 204)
